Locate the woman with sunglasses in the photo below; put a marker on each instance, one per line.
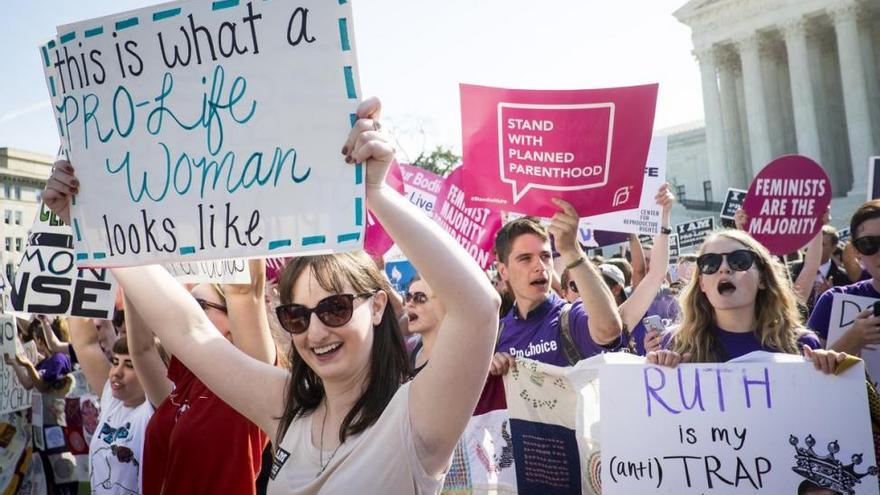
(739, 301)
(344, 418)
(865, 331)
(425, 312)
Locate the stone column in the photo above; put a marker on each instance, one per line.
(714, 124)
(737, 169)
(803, 104)
(756, 107)
(855, 93)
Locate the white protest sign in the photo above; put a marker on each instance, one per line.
(646, 218)
(48, 282)
(844, 309)
(233, 271)
(13, 396)
(209, 130)
(734, 428)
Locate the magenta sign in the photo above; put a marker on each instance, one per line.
(785, 203)
(376, 240)
(473, 227)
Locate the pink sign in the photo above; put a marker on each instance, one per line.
(473, 228)
(275, 267)
(785, 203)
(376, 241)
(525, 147)
(421, 186)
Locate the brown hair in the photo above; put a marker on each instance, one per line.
(389, 365)
(869, 210)
(625, 267)
(120, 346)
(510, 231)
(779, 322)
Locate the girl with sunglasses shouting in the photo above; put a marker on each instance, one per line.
(343, 418)
(865, 331)
(739, 301)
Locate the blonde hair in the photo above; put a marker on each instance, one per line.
(779, 322)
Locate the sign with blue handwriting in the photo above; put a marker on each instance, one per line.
(209, 130)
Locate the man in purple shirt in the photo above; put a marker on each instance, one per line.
(865, 331)
(532, 327)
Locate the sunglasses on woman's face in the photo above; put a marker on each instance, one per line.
(867, 245)
(739, 261)
(333, 311)
(208, 304)
(416, 297)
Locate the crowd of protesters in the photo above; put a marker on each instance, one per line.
(197, 394)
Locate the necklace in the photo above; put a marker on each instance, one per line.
(321, 447)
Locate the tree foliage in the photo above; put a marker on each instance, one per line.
(441, 160)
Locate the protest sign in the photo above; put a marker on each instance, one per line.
(13, 396)
(217, 271)
(732, 203)
(274, 268)
(873, 177)
(15, 453)
(736, 427)
(692, 234)
(646, 218)
(47, 280)
(843, 235)
(209, 130)
(844, 309)
(421, 186)
(523, 147)
(400, 273)
(674, 248)
(598, 238)
(376, 240)
(785, 203)
(473, 227)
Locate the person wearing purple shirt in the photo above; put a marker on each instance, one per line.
(865, 330)
(739, 302)
(532, 327)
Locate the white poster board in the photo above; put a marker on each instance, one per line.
(209, 130)
(13, 396)
(731, 428)
(646, 218)
(232, 271)
(47, 280)
(844, 309)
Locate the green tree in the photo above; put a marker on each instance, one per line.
(441, 160)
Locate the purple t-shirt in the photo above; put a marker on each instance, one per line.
(54, 367)
(821, 315)
(737, 344)
(537, 336)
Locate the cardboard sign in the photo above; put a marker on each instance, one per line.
(209, 130)
(421, 186)
(400, 273)
(692, 234)
(523, 147)
(376, 240)
(473, 227)
(844, 309)
(734, 428)
(645, 219)
(873, 177)
(215, 272)
(785, 203)
(13, 396)
(48, 282)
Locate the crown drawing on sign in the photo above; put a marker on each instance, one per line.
(826, 470)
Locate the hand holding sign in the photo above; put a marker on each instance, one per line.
(368, 144)
(564, 229)
(60, 188)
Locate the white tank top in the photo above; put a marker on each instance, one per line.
(380, 460)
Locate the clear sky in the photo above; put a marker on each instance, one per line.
(414, 53)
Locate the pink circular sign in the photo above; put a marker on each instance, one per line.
(785, 203)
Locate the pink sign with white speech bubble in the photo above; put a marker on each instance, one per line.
(524, 147)
(785, 203)
(376, 240)
(474, 228)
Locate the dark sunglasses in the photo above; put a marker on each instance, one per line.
(739, 261)
(208, 304)
(867, 245)
(573, 287)
(416, 297)
(333, 311)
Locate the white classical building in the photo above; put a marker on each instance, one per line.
(780, 77)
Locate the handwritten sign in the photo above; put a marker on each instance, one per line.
(692, 234)
(209, 130)
(785, 203)
(47, 280)
(873, 177)
(732, 202)
(645, 219)
(523, 147)
(474, 227)
(234, 271)
(13, 396)
(844, 309)
(734, 428)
